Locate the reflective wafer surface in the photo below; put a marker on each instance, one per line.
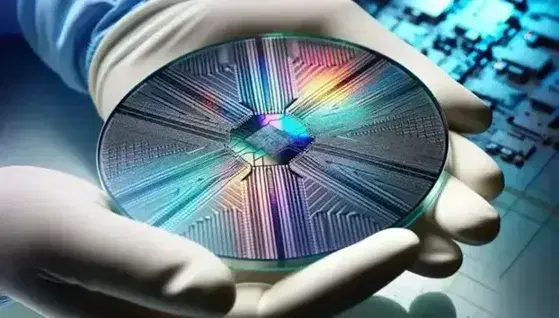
(275, 149)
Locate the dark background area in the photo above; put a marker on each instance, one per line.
(8, 18)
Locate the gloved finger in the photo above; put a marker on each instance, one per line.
(49, 223)
(439, 256)
(465, 114)
(54, 186)
(476, 169)
(58, 299)
(342, 279)
(464, 215)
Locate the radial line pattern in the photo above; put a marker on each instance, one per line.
(274, 150)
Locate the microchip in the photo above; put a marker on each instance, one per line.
(429, 10)
(543, 25)
(521, 147)
(546, 96)
(517, 52)
(517, 74)
(534, 121)
(485, 17)
(269, 139)
(496, 91)
(410, 33)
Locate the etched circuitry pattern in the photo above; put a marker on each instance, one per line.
(275, 148)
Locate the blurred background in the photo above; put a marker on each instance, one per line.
(505, 51)
(8, 19)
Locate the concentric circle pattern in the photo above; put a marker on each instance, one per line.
(275, 149)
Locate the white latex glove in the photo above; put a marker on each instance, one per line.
(64, 254)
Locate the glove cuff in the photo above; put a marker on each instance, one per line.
(136, 46)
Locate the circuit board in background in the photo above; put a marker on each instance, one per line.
(507, 53)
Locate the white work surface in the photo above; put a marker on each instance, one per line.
(43, 123)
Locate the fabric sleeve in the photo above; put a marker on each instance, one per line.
(66, 33)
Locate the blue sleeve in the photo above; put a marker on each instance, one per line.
(66, 33)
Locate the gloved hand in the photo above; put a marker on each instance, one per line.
(63, 253)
